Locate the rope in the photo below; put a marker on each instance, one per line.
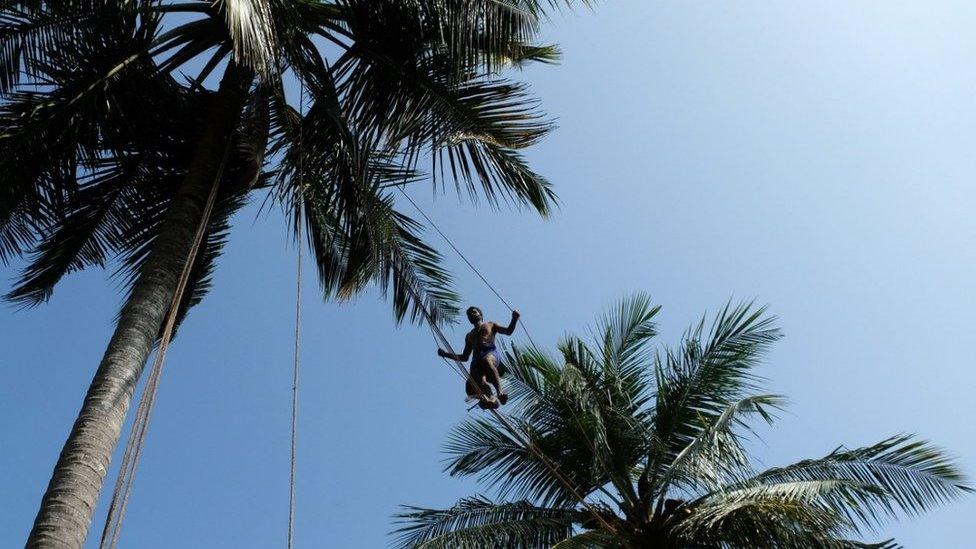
(298, 334)
(466, 260)
(294, 392)
(140, 426)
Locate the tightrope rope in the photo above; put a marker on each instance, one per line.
(465, 259)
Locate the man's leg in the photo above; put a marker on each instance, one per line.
(478, 372)
(491, 364)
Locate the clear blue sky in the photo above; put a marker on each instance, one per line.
(818, 156)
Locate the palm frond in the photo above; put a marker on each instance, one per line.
(87, 235)
(592, 539)
(485, 448)
(625, 333)
(32, 32)
(519, 55)
(357, 235)
(250, 24)
(473, 130)
(696, 383)
(501, 173)
(568, 409)
(508, 461)
(410, 271)
(717, 456)
(473, 33)
(188, 40)
(478, 522)
(584, 408)
(912, 475)
(408, 97)
(554, 401)
(787, 514)
(56, 131)
(761, 522)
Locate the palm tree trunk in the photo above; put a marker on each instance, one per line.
(66, 509)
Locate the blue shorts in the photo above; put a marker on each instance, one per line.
(484, 351)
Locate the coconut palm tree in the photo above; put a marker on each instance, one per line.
(656, 441)
(120, 118)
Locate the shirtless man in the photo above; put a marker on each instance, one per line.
(486, 360)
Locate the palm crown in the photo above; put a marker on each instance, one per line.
(656, 442)
(103, 104)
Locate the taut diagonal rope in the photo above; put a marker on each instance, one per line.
(465, 259)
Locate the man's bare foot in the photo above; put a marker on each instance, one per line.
(488, 403)
(503, 398)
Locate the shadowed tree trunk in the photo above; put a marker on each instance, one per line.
(66, 509)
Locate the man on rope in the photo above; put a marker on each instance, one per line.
(486, 360)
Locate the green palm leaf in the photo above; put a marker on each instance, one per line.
(478, 522)
(912, 475)
(700, 379)
(252, 32)
(717, 456)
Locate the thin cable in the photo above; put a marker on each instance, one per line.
(294, 392)
(465, 259)
(455, 248)
(298, 333)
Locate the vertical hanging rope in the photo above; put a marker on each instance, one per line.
(294, 391)
(298, 325)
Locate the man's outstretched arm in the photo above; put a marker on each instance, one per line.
(511, 325)
(463, 357)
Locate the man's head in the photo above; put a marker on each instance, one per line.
(474, 315)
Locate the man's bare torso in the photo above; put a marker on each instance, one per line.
(483, 335)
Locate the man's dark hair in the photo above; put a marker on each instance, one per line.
(473, 308)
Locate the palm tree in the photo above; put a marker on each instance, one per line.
(656, 441)
(115, 129)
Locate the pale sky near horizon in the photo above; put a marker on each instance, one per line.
(816, 156)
